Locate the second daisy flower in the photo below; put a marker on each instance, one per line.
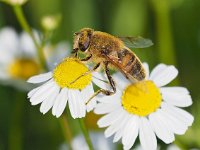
(146, 109)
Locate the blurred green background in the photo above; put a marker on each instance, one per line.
(173, 26)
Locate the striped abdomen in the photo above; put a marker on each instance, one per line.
(130, 65)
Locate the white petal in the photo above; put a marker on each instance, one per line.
(173, 123)
(86, 94)
(146, 68)
(114, 99)
(130, 132)
(116, 125)
(119, 133)
(27, 44)
(165, 76)
(40, 78)
(160, 128)
(179, 90)
(76, 104)
(179, 113)
(177, 119)
(6, 57)
(9, 40)
(32, 92)
(49, 101)
(99, 76)
(104, 108)
(91, 105)
(42, 92)
(122, 82)
(60, 103)
(176, 99)
(71, 101)
(147, 136)
(109, 118)
(100, 83)
(156, 71)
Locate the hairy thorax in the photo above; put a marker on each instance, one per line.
(103, 44)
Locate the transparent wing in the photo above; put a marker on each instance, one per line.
(136, 42)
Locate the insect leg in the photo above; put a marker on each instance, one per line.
(75, 52)
(105, 92)
(86, 73)
(87, 58)
(96, 93)
(110, 79)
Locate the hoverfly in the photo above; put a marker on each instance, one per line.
(106, 50)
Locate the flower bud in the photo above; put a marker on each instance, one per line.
(50, 22)
(15, 2)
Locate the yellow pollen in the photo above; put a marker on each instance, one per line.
(23, 68)
(68, 71)
(141, 98)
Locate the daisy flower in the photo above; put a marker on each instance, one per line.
(146, 109)
(58, 88)
(18, 60)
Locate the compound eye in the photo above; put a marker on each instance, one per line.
(84, 43)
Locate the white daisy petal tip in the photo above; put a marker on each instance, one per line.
(91, 106)
(146, 67)
(57, 116)
(40, 78)
(174, 71)
(164, 76)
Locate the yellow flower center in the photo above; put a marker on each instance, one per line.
(141, 98)
(23, 68)
(70, 73)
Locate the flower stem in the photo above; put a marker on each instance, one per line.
(85, 133)
(66, 130)
(164, 34)
(16, 129)
(24, 24)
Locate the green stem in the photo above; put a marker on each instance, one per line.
(66, 130)
(23, 22)
(15, 132)
(180, 145)
(164, 34)
(85, 133)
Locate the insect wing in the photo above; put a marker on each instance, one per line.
(136, 42)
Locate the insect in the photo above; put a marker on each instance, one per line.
(106, 51)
